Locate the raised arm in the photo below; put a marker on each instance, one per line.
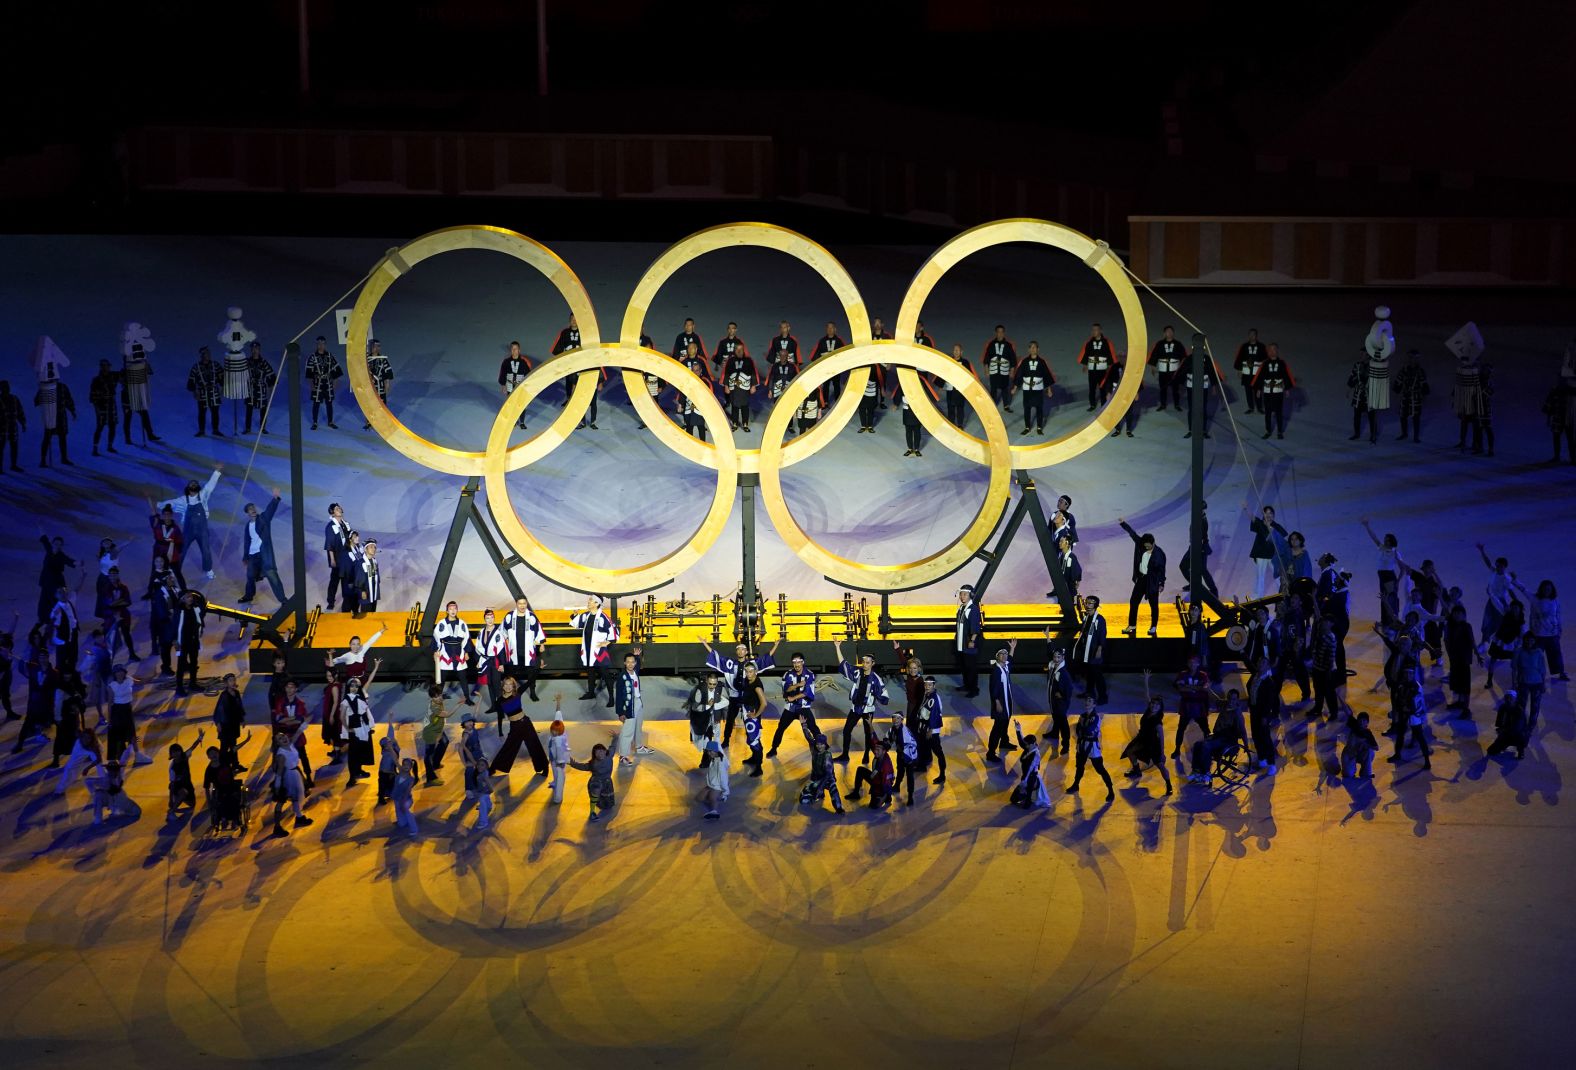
(1487, 561)
(1369, 529)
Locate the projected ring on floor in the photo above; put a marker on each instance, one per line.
(572, 574)
(1039, 232)
(909, 574)
(395, 264)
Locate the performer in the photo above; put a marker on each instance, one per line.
(752, 700)
(1148, 747)
(597, 631)
(188, 639)
(1058, 696)
(1089, 750)
(322, 372)
(59, 409)
(823, 776)
(524, 645)
(451, 640)
(1000, 701)
(352, 664)
(957, 404)
(487, 643)
(1472, 399)
(798, 699)
(1269, 387)
(879, 776)
(828, 343)
(929, 723)
(350, 573)
(681, 344)
(1333, 599)
(257, 549)
(114, 612)
(1207, 388)
(1089, 652)
(370, 580)
(779, 373)
(1096, 357)
(1168, 358)
(730, 346)
(168, 543)
(522, 732)
(1149, 579)
(13, 421)
(739, 379)
(706, 705)
(734, 677)
(135, 395)
(630, 708)
(235, 338)
(865, 691)
(106, 411)
(785, 344)
(1030, 791)
(259, 389)
(1072, 573)
(64, 631)
(966, 638)
(1411, 387)
(1229, 734)
(205, 383)
(693, 422)
(913, 430)
(999, 360)
(334, 535)
(1032, 376)
(1250, 358)
(191, 508)
(355, 713)
(1369, 386)
(381, 372)
(809, 413)
(922, 338)
(516, 366)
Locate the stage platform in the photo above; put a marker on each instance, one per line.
(672, 638)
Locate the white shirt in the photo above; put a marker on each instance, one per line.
(1143, 563)
(254, 544)
(120, 692)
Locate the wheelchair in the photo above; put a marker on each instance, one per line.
(1232, 766)
(229, 811)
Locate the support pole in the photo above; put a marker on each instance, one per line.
(1197, 399)
(290, 380)
(748, 595)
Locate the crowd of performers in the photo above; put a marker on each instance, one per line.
(1377, 384)
(83, 694)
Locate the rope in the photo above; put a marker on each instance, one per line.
(1220, 384)
(257, 439)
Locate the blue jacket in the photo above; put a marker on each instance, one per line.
(624, 692)
(264, 535)
(971, 627)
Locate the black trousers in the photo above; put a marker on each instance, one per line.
(1263, 737)
(349, 595)
(262, 419)
(1186, 717)
(1061, 727)
(1418, 737)
(1084, 758)
(735, 704)
(126, 415)
(912, 437)
(867, 411)
(848, 733)
(1249, 393)
(1096, 378)
(805, 424)
(9, 438)
(208, 413)
(933, 745)
(1033, 409)
(186, 666)
(834, 388)
(1170, 386)
(329, 405)
(1294, 667)
(1482, 429)
(333, 587)
(695, 425)
(1001, 390)
(103, 421)
(1274, 406)
(1325, 693)
(957, 407)
(739, 411)
(1094, 681)
(1142, 593)
(968, 669)
(998, 729)
(789, 716)
(864, 775)
(59, 432)
(1373, 423)
(1417, 430)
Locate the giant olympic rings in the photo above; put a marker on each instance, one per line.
(723, 454)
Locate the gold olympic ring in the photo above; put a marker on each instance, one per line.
(396, 263)
(914, 573)
(561, 570)
(1040, 232)
(735, 236)
(775, 454)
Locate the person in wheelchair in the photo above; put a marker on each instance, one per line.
(222, 788)
(1226, 740)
